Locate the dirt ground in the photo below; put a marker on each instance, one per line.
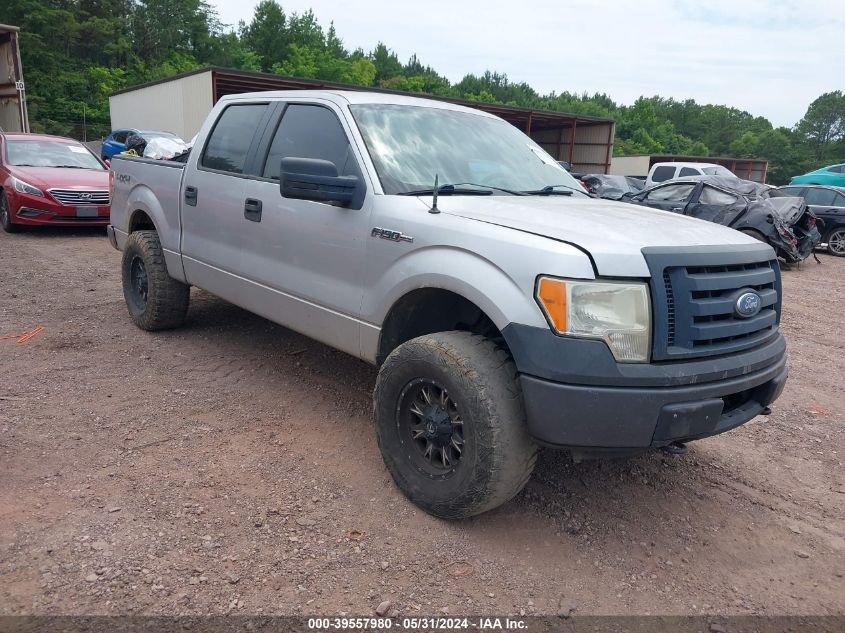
(231, 467)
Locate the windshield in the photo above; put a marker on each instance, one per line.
(717, 170)
(50, 154)
(410, 145)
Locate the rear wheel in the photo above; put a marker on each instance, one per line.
(6, 215)
(836, 242)
(451, 425)
(155, 300)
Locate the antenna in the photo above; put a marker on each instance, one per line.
(434, 208)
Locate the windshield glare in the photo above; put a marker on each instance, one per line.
(409, 145)
(50, 154)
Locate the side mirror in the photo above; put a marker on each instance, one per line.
(315, 179)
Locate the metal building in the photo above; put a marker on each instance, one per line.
(13, 114)
(180, 104)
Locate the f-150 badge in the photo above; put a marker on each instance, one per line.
(393, 236)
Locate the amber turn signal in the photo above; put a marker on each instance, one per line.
(552, 294)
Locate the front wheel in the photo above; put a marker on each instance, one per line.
(836, 242)
(155, 300)
(6, 215)
(451, 425)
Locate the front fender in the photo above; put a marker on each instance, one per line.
(505, 296)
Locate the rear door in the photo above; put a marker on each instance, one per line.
(672, 197)
(716, 205)
(213, 192)
(828, 205)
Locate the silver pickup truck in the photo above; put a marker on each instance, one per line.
(504, 307)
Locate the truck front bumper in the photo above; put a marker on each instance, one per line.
(653, 406)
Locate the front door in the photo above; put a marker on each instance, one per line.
(306, 258)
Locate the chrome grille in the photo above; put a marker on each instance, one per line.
(694, 303)
(81, 197)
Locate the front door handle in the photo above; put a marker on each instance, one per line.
(252, 210)
(191, 196)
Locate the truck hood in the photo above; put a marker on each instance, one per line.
(62, 177)
(611, 232)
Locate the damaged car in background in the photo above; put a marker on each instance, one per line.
(783, 222)
(611, 187)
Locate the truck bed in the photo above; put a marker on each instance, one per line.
(147, 191)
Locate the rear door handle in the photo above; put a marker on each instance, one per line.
(252, 210)
(191, 196)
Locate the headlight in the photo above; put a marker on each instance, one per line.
(25, 187)
(615, 312)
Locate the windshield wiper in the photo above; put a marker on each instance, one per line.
(447, 190)
(71, 166)
(551, 190)
(473, 184)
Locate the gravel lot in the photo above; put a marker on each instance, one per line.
(231, 467)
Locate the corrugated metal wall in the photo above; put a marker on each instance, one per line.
(592, 151)
(12, 112)
(179, 106)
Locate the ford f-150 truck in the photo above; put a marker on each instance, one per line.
(505, 308)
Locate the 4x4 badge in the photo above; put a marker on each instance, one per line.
(393, 236)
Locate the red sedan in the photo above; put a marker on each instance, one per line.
(50, 181)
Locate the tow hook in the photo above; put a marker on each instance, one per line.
(675, 448)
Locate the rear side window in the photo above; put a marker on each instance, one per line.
(840, 200)
(689, 171)
(672, 193)
(837, 169)
(310, 131)
(230, 140)
(820, 197)
(711, 195)
(663, 173)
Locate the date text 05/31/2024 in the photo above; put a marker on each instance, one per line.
(414, 624)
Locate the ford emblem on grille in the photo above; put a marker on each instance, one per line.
(748, 304)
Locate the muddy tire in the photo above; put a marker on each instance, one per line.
(450, 424)
(6, 215)
(155, 300)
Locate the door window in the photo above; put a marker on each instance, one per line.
(121, 137)
(711, 195)
(665, 172)
(231, 139)
(689, 171)
(839, 201)
(837, 169)
(672, 193)
(820, 197)
(791, 191)
(310, 131)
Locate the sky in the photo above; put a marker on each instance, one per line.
(767, 57)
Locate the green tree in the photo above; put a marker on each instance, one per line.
(824, 122)
(266, 35)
